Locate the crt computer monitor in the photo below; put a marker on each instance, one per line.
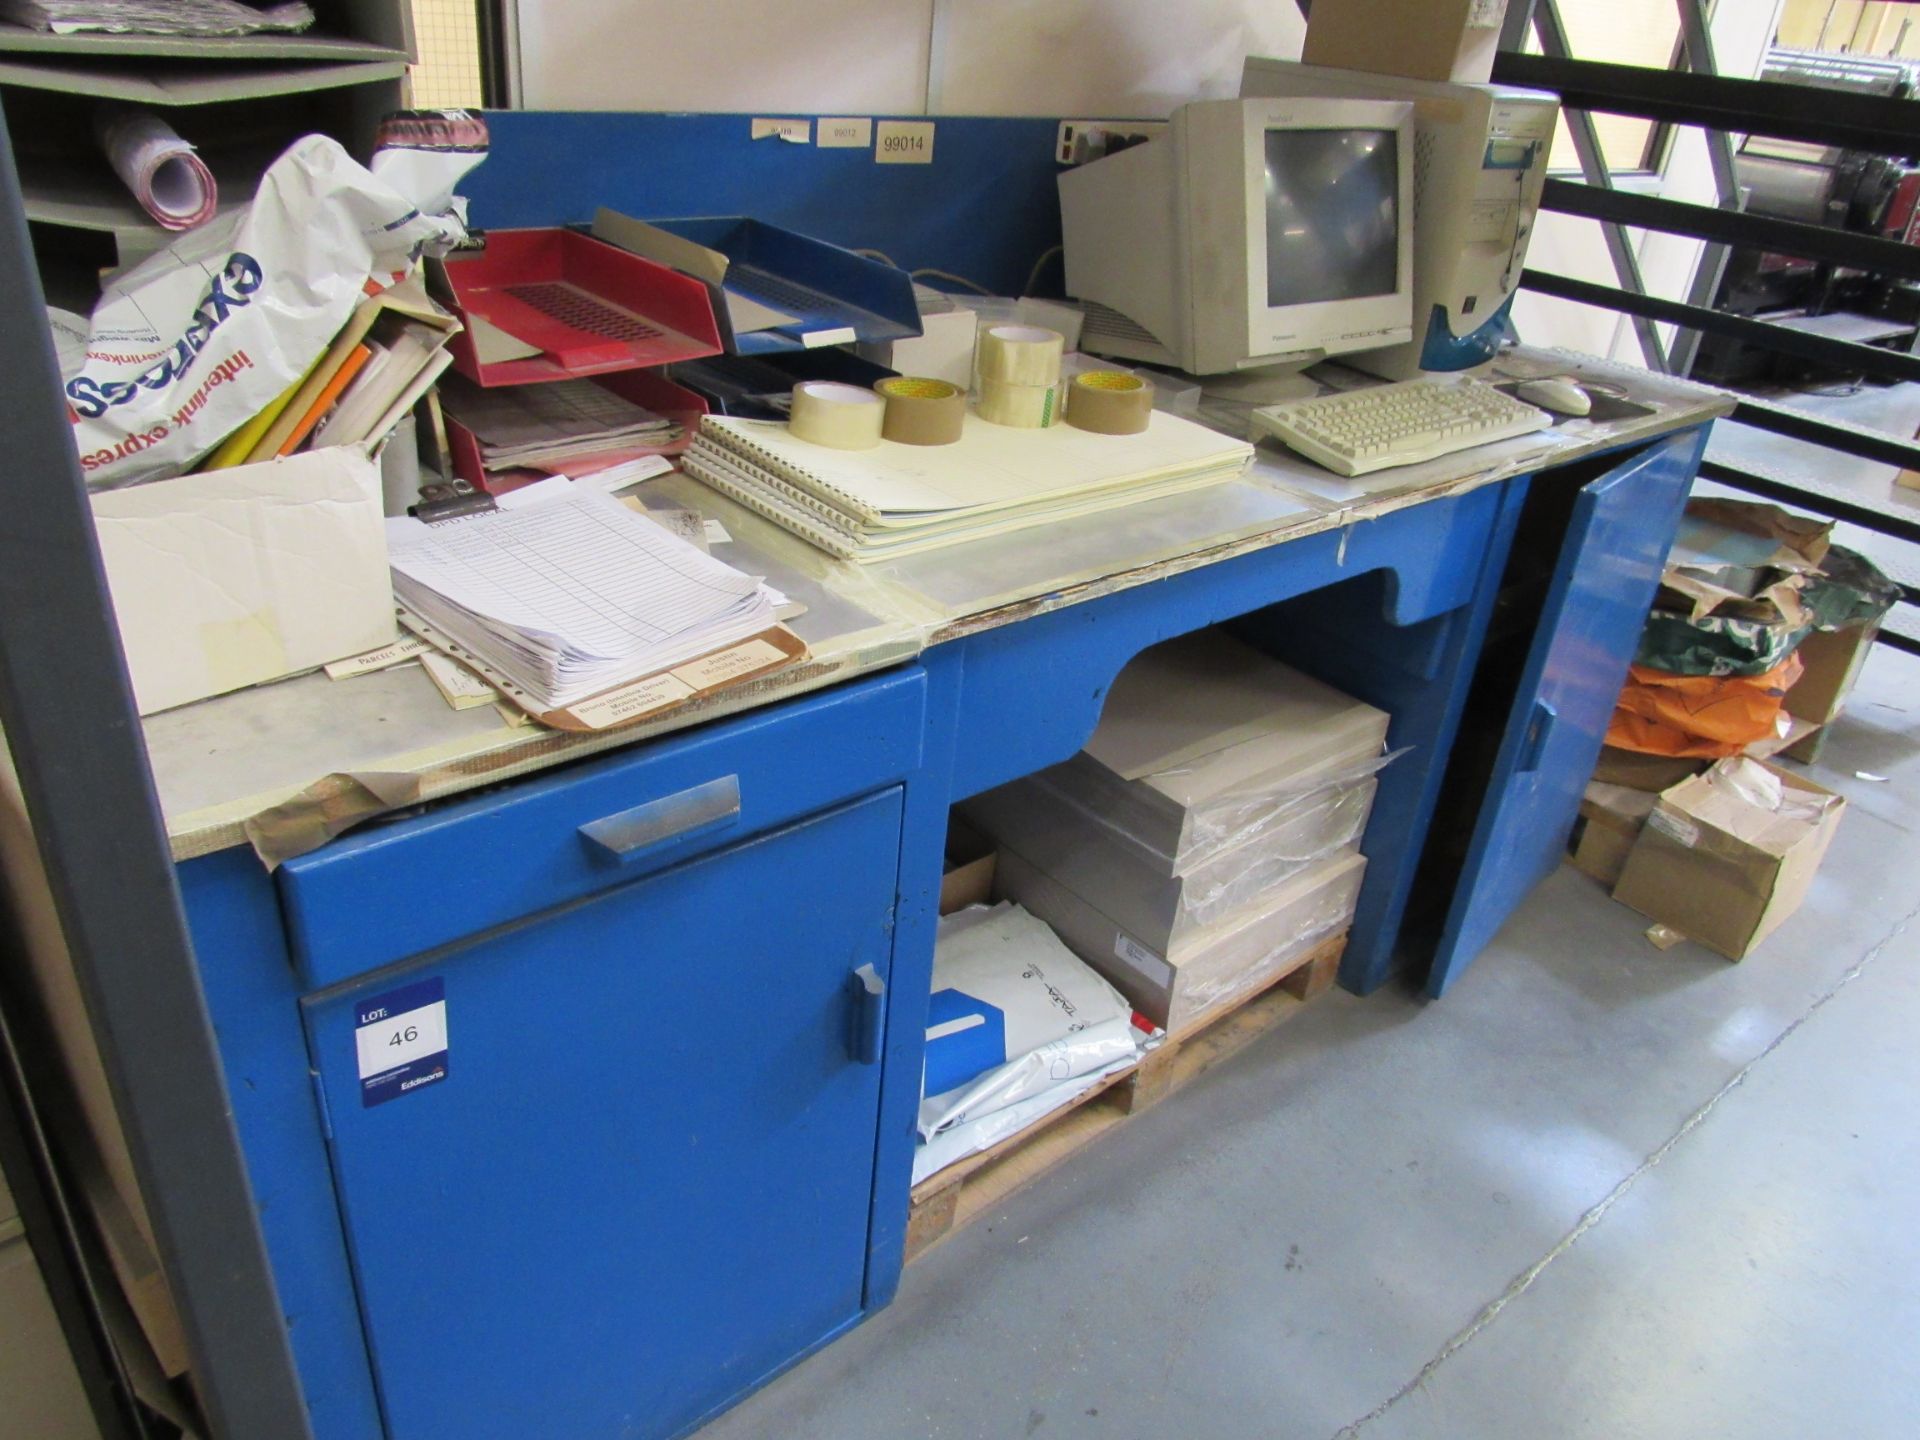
(1480, 165)
(1249, 233)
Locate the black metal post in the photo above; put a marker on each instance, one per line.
(68, 714)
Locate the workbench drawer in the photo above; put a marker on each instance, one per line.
(391, 891)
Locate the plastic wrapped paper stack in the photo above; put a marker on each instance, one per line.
(1207, 837)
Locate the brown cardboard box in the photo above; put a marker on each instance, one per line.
(1652, 773)
(1833, 661)
(967, 876)
(1609, 823)
(1420, 39)
(1725, 870)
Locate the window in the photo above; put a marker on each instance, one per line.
(1851, 27)
(1618, 32)
(447, 35)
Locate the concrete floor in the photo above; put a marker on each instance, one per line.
(1598, 1191)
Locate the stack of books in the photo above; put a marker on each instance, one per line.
(893, 500)
(383, 361)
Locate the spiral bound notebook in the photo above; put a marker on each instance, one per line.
(786, 505)
(989, 468)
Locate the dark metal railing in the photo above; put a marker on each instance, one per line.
(1722, 105)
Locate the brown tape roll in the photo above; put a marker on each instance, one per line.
(921, 410)
(1024, 407)
(1109, 402)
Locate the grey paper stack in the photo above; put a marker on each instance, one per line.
(1207, 837)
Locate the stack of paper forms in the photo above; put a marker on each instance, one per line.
(894, 499)
(570, 597)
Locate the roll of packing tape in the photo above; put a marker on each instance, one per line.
(840, 417)
(1025, 407)
(1020, 354)
(1109, 402)
(922, 411)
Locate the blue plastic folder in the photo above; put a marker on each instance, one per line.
(775, 289)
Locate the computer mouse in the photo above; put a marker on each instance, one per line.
(1559, 395)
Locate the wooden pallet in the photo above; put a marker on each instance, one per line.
(968, 1188)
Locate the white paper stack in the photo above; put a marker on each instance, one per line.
(894, 499)
(569, 597)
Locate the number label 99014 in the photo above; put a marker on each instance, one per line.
(903, 142)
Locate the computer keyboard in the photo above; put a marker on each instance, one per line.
(1358, 431)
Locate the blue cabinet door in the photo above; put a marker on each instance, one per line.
(1609, 565)
(606, 1169)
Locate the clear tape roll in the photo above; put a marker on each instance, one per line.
(922, 410)
(1020, 354)
(1109, 402)
(840, 417)
(1024, 407)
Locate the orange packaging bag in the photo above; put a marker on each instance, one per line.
(1698, 716)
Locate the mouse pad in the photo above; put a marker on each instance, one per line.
(1606, 408)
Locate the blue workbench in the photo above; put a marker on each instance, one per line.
(654, 1142)
(668, 1148)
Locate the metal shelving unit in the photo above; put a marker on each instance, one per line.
(226, 95)
(78, 746)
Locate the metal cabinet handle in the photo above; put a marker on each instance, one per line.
(1544, 718)
(625, 836)
(869, 1019)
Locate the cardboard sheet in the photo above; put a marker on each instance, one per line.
(237, 576)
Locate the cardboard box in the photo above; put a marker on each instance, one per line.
(967, 875)
(1420, 39)
(1092, 858)
(1833, 661)
(238, 576)
(44, 1394)
(1211, 967)
(1725, 870)
(1610, 820)
(943, 350)
(1652, 773)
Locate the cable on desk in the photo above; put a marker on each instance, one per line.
(1033, 275)
(973, 285)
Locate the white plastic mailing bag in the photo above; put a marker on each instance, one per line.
(191, 343)
(1014, 1013)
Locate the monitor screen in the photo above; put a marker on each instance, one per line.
(1333, 222)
